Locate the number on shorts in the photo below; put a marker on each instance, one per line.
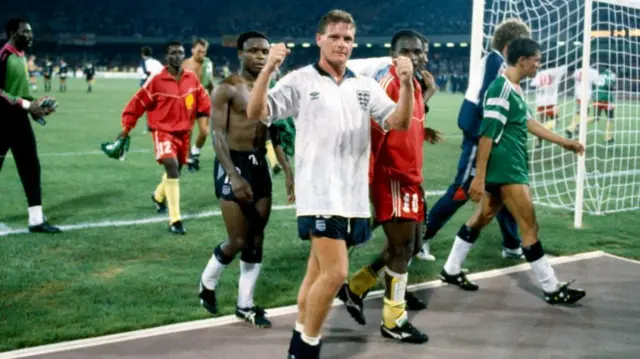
(413, 206)
(163, 148)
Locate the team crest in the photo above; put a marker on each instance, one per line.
(363, 99)
(188, 101)
(226, 189)
(321, 225)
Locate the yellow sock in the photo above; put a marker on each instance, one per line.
(160, 194)
(271, 154)
(173, 199)
(574, 123)
(607, 134)
(550, 125)
(362, 281)
(393, 311)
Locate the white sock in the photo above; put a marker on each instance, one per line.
(457, 256)
(195, 150)
(211, 274)
(247, 284)
(35, 215)
(399, 285)
(299, 328)
(545, 274)
(313, 341)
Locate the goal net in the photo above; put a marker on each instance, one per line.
(596, 40)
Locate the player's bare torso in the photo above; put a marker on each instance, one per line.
(193, 65)
(242, 133)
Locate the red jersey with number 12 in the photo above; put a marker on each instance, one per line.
(397, 155)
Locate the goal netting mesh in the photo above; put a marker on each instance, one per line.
(612, 162)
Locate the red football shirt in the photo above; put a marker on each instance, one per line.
(171, 105)
(398, 155)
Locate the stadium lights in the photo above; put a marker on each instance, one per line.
(463, 44)
(387, 45)
(291, 44)
(369, 45)
(305, 45)
(577, 43)
(450, 44)
(355, 45)
(561, 43)
(437, 44)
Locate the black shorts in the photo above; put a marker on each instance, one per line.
(354, 231)
(252, 166)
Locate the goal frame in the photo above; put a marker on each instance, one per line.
(475, 56)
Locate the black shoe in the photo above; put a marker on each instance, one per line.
(353, 303)
(413, 303)
(208, 299)
(44, 227)
(564, 295)
(276, 169)
(610, 141)
(193, 163)
(161, 207)
(406, 333)
(255, 316)
(294, 344)
(177, 228)
(459, 280)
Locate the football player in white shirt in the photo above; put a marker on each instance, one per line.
(593, 75)
(333, 108)
(547, 83)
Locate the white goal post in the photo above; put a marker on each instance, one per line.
(596, 45)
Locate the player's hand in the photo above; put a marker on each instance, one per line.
(291, 194)
(277, 54)
(36, 111)
(476, 190)
(573, 146)
(404, 68)
(241, 189)
(428, 80)
(432, 136)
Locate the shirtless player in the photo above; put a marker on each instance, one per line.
(242, 181)
(203, 67)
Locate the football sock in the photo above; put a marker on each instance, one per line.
(550, 124)
(160, 194)
(608, 135)
(35, 215)
(541, 267)
(393, 311)
(461, 247)
(362, 281)
(271, 154)
(195, 150)
(217, 263)
(313, 341)
(249, 273)
(173, 198)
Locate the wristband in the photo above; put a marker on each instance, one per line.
(25, 104)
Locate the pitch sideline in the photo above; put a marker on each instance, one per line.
(231, 319)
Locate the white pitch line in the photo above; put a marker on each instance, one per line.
(149, 220)
(629, 260)
(275, 312)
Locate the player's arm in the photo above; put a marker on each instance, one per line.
(538, 130)
(211, 78)
(203, 103)
(137, 106)
(25, 103)
(221, 100)
(385, 111)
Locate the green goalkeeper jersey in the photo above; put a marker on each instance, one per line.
(14, 78)
(207, 72)
(505, 121)
(605, 87)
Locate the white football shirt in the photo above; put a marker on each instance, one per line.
(593, 79)
(547, 83)
(333, 137)
(369, 66)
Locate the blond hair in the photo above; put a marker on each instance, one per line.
(507, 31)
(335, 16)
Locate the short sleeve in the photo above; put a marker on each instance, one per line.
(381, 105)
(283, 100)
(496, 110)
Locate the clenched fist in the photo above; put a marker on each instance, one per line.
(277, 54)
(404, 68)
